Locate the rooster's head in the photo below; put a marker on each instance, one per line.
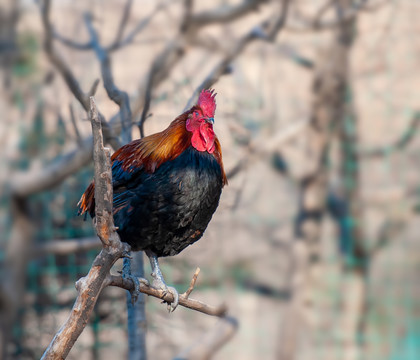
(201, 120)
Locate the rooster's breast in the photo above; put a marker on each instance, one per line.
(168, 210)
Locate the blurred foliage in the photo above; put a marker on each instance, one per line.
(28, 50)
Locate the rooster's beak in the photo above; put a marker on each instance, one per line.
(210, 120)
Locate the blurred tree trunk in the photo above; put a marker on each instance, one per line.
(14, 271)
(355, 256)
(330, 86)
(9, 16)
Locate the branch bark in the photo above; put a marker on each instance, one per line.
(90, 286)
(184, 300)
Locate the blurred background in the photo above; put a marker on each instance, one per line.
(314, 247)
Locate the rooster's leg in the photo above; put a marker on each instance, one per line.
(126, 273)
(159, 282)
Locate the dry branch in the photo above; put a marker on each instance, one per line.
(177, 47)
(263, 31)
(304, 23)
(66, 72)
(118, 96)
(399, 144)
(226, 14)
(261, 148)
(184, 300)
(207, 345)
(119, 40)
(66, 247)
(90, 286)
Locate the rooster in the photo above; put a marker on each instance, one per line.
(167, 186)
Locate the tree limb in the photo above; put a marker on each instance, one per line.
(90, 286)
(306, 24)
(67, 74)
(207, 345)
(184, 300)
(261, 31)
(65, 247)
(226, 13)
(118, 96)
(399, 144)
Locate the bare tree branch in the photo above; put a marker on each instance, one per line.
(261, 148)
(118, 96)
(65, 246)
(27, 183)
(177, 47)
(57, 60)
(184, 300)
(192, 284)
(305, 24)
(71, 43)
(207, 345)
(226, 13)
(75, 127)
(119, 40)
(261, 31)
(90, 286)
(104, 220)
(123, 22)
(67, 74)
(399, 144)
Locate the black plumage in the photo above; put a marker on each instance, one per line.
(169, 209)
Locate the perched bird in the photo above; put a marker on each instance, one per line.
(167, 186)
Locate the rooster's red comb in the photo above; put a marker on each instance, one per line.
(207, 103)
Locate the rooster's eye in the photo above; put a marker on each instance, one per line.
(196, 113)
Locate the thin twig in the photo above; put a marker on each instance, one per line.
(306, 24)
(75, 127)
(192, 284)
(227, 13)
(262, 148)
(399, 144)
(70, 42)
(65, 247)
(123, 22)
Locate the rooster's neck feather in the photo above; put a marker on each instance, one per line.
(153, 150)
